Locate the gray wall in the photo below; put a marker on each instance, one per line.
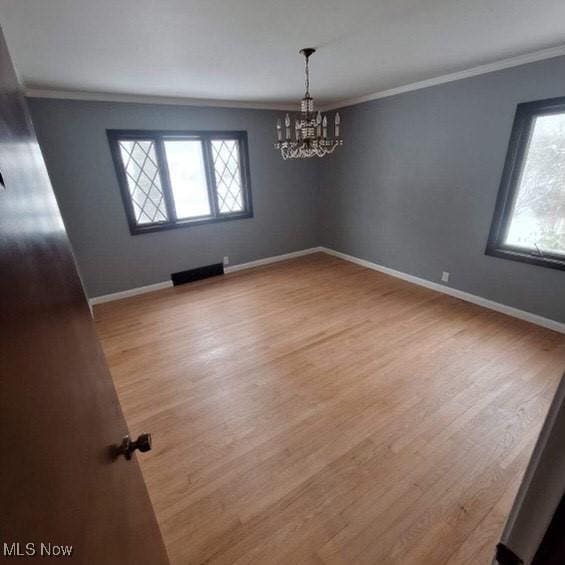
(73, 139)
(415, 184)
(413, 188)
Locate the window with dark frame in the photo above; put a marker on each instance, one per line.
(529, 219)
(171, 179)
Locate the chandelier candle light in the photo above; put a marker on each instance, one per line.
(310, 130)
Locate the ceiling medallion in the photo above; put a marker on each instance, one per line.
(310, 130)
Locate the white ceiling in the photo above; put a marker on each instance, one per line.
(247, 50)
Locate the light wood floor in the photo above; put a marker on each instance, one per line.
(314, 411)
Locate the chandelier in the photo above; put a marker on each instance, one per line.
(310, 130)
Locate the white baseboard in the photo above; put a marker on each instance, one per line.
(130, 292)
(274, 259)
(509, 310)
(169, 284)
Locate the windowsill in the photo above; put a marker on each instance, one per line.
(138, 230)
(525, 257)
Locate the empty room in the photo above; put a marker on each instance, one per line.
(282, 282)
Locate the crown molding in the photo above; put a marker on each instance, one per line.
(210, 102)
(451, 77)
(146, 99)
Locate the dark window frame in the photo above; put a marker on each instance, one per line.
(158, 137)
(522, 128)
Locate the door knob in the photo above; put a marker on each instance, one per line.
(143, 443)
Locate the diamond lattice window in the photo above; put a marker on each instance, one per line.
(225, 153)
(170, 179)
(144, 181)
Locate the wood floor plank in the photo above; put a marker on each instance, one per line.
(315, 411)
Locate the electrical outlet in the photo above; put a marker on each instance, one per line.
(226, 260)
(445, 276)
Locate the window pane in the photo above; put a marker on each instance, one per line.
(188, 177)
(538, 216)
(144, 182)
(225, 153)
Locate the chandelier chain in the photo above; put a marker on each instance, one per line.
(307, 80)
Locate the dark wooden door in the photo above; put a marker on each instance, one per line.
(59, 413)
